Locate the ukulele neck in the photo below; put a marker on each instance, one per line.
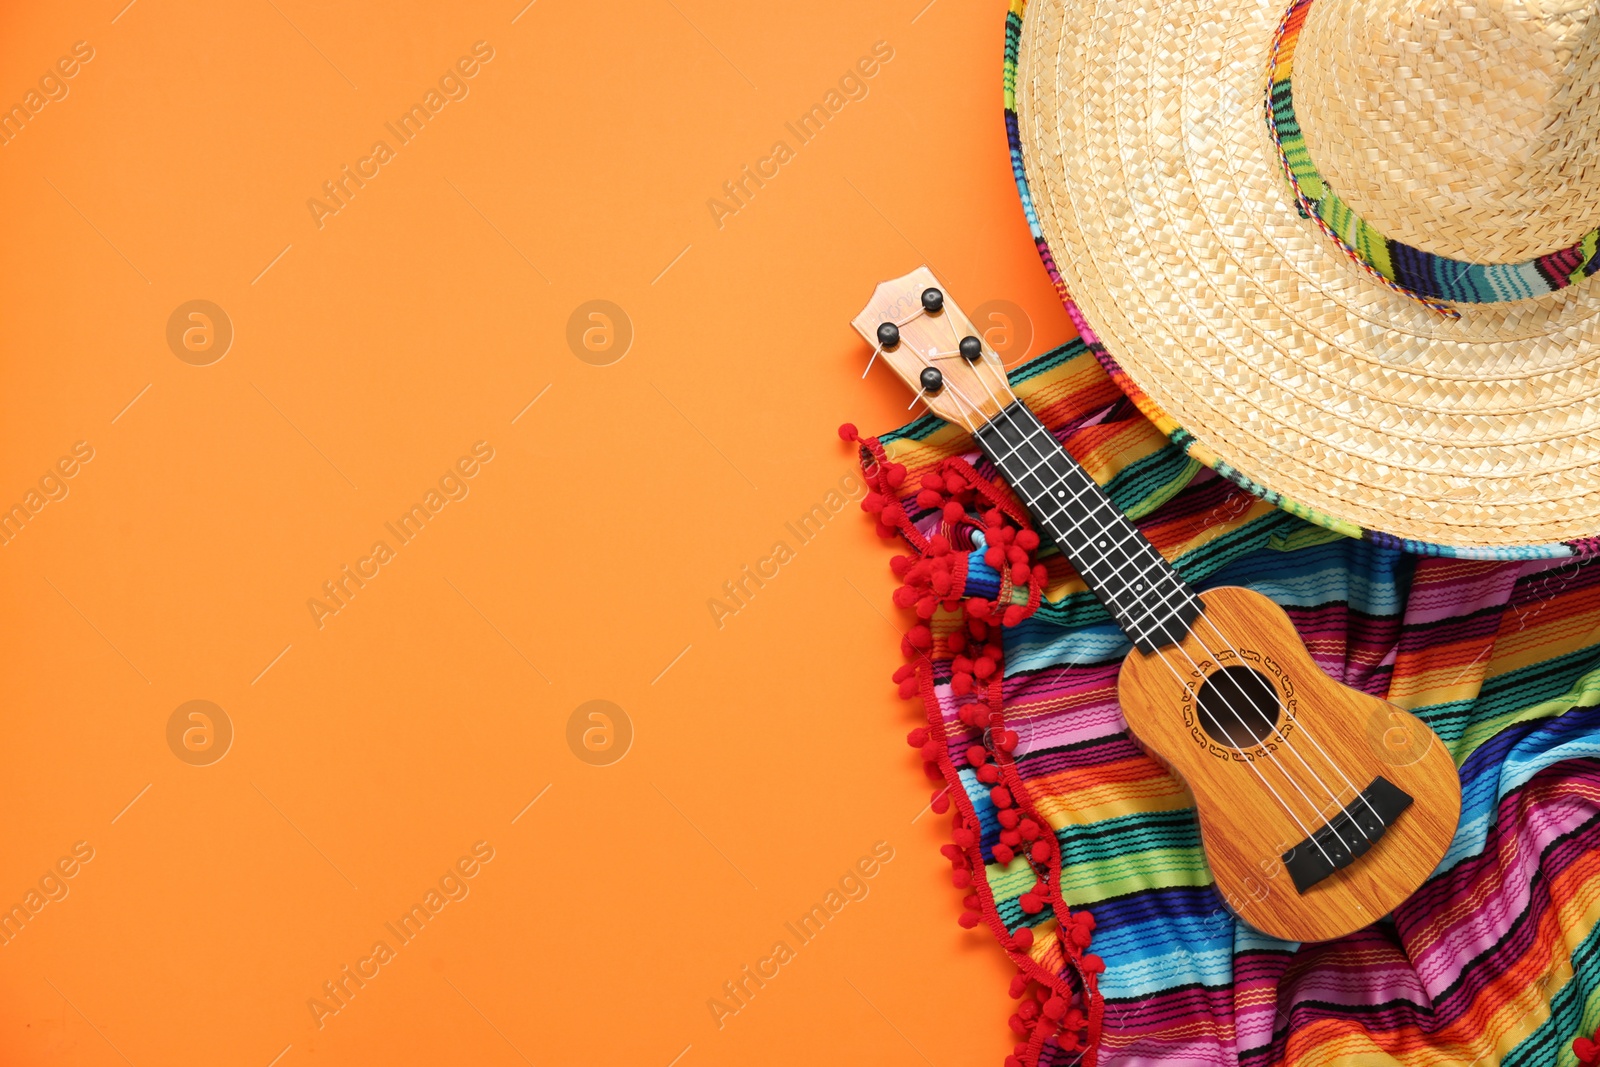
(1146, 597)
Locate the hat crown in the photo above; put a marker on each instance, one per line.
(1465, 129)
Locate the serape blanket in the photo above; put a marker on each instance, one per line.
(1494, 961)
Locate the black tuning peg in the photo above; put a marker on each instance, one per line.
(888, 334)
(932, 300)
(971, 348)
(932, 380)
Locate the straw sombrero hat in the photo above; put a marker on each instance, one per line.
(1343, 249)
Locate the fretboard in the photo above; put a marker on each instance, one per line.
(1146, 597)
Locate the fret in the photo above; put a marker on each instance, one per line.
(1101, 539)
(1146, 597)
(1142, 565)
(1141, 583)
(1098, 503)
(1134, 582)
(1145, 588)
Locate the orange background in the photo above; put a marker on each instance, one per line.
(368, 355)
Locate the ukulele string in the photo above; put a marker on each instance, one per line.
(1283, 803)
(1147, 610)
(1308, 735)
(1271, 722)
(1028, 438)
(1268, 720)
(1237, 714)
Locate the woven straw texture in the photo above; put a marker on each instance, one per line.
(1469, 131)
(1157, 186)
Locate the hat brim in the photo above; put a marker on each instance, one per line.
(1151, 183)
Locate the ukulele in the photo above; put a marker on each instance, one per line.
(1321, 808)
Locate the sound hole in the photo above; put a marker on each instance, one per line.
(1238, 707)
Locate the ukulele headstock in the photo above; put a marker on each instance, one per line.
(914, 326)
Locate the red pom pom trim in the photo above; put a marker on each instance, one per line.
(953, 641)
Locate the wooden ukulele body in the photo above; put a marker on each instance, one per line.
(1332, 741)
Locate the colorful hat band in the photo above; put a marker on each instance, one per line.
(1436, 281)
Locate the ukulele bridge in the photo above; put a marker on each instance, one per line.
(1348, 835)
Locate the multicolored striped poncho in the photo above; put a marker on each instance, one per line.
(1493, 961)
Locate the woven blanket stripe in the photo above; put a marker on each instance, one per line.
(1494, 960)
